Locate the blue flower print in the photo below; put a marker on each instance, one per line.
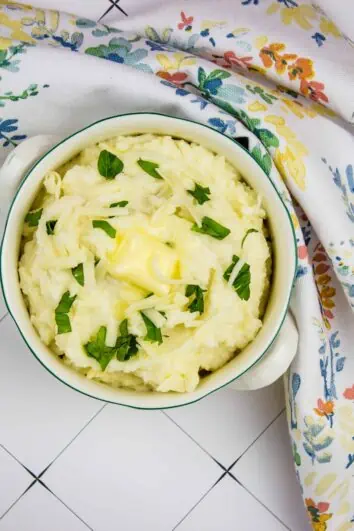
(319, 38)
(73, 44)
(6, 127)
(156, 46)
(179, 91)
(224, 126)
(119, 51)
(202, 102)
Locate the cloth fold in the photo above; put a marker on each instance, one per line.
(279, 77)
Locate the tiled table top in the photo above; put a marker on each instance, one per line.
(68, 462)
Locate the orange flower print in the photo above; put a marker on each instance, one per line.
(349, 393)
(313, 90)
(318, 515)
(297, 68)
(270, 55)
(302, 252)
(324, 409)
(186, 22)
(302, 69)
(230, 59)
(177, 77)
(282, 62)
(326, 292)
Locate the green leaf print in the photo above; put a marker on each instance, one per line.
(318, 437)
(7, 61)
(218, 74)
(267, 138)
(296, 455)
(201, 76)
(31, 90)
(264, 161)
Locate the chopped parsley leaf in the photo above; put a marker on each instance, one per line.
(109, 165)
(105, 226)
(200, 193)
(50, 226)
(241, 284)
(197, 298)
(153, 334)
(212, 228)
(32, 218)
(150, 168)
(78, 274)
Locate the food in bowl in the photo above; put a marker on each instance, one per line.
(145, 262)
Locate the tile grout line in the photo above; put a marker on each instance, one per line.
(4, 317)
(106, 12)
(17, 499)
(258, 500)
(18, 461)
(37, 478)
(115, 3)
(196, 442)
(198, 502)
(256, 439)
(71, 441)
(63, 503)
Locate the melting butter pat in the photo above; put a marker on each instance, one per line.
(133, 261)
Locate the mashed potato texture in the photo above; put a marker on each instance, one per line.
(145, 262)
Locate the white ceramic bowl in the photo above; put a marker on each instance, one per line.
(276, 343)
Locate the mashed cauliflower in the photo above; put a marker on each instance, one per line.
(145, 263)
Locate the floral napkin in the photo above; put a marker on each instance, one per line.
(278, 76)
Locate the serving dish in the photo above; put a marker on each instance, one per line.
(261, 362)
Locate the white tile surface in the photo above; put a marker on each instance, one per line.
(14, 480)
(228, 421)
(3, 309)
(229, 507)
(132, 467)
(39, 510)
(41, 415)
(267, 470)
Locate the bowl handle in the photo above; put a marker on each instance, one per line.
(18, 162)
(276, 361)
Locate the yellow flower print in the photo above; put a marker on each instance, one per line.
(5, 43)
(239, 32)
(320, 526)
(260, 41)
(295, 221)
(322, 110)
(42, 23)
(257, 106)
(16, 5)
(298, 109)
(289, 161)
(329, 28)
(209, 24)
(317, 514)
(345, 419)
(16, 31)
(301, 15)
(176, 61)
